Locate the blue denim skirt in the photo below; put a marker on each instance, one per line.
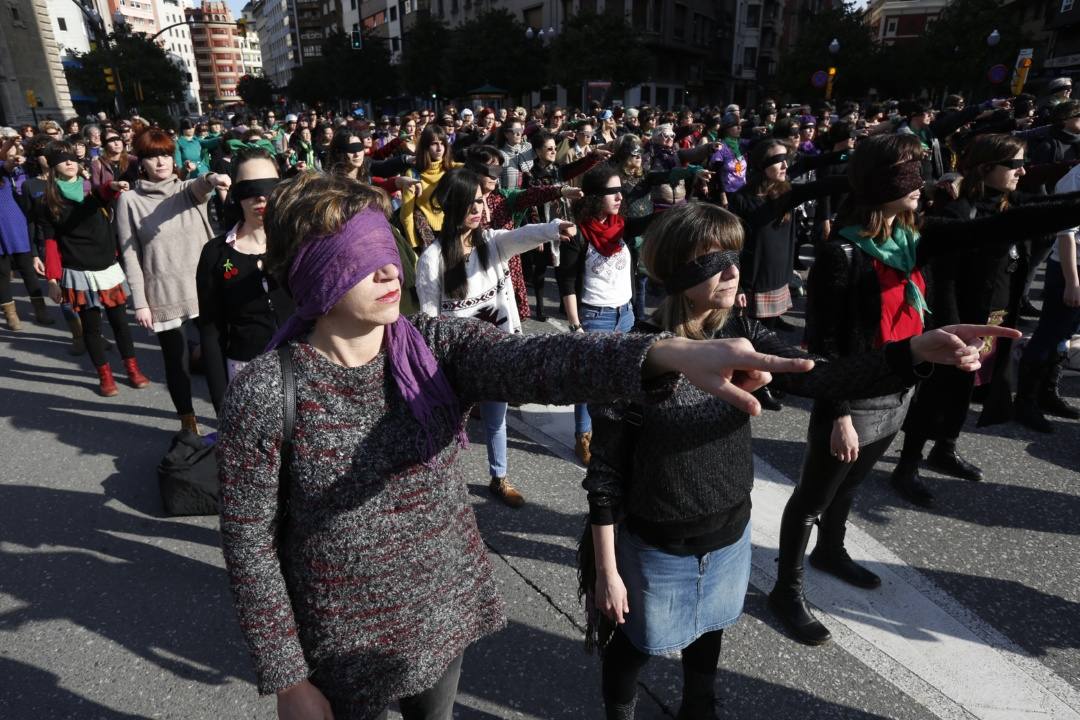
(675, 599)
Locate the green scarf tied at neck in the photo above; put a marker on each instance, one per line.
(733, 143)
(897, 252)
(72, 189)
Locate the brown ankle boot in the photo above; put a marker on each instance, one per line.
(135, 377)
(41, 313)
(108, 383)
(188, 422)
(583, 447)
(502, 489)
(78, 344)
(11, 316)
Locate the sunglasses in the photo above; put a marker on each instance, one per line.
(635, 153)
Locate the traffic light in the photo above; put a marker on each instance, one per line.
(110, 80)
(357, 41)
(241, 27)
(832, 72)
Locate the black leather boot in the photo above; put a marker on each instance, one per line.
(905, 480)
(699, 697)
(1050, 400)
(830, 555)
(786, 599)
(620, 711)
(1026, 410)
(538, 290)
(944, 458)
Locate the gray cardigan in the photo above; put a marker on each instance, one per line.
(161, 228)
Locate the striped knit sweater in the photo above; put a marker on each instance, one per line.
(383, 578)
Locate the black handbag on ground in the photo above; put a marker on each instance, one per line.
(188, 477)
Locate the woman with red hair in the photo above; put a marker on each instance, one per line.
(162, 227)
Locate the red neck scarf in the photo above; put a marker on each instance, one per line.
(604, 235)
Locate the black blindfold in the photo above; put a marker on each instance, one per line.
(700, 269)
(247, 189)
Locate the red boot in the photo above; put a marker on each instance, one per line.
(108, 384)
(135, 377)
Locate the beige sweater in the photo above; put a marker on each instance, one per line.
(162, 227)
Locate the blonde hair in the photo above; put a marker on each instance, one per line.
(677, 237)
(312, 205)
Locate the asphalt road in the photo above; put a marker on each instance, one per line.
(110, 610)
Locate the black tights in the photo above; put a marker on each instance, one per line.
(95, 343)
(24, 263)
(174, 348)
(623, 662)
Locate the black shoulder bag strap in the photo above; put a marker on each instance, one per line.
(288, 386)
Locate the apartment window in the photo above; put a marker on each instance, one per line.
(393, 13)
(1066, 6)
(890, 24)
(61, 24)
(533, 17)
(395, 44)
(657, 15)
(749, 59)
(753, 16)
(679, 31)
(352, 4)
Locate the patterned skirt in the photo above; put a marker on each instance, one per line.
(84, 289)
(769, 304)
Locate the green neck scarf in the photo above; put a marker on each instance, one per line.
(71, 189)
(733, 143)
(897, 252)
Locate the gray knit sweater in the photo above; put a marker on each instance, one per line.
(383, 578)
(162, 227)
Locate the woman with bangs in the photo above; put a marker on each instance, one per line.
(241, 304)
(665, 561)
(867, 291)
(81, 266)
(419, 217)
(113, 170)
(162, 226)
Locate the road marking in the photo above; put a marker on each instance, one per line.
(912, 633)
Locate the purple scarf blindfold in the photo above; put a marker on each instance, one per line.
(326, 268)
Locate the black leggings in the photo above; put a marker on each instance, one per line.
(435, 703)
(174, 348)
(24, 263)
(95, 343)
(623, 663)
(827, 486)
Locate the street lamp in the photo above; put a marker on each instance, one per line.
(834, 46)
(529, 34)
(993, 38)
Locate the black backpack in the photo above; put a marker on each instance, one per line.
(188, 475)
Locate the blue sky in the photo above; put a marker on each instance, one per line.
(236, 6)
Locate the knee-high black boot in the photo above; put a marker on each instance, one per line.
(786, 599)
(831, 556)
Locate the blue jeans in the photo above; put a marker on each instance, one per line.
(1057, 321)
(598, 319)
(494, 415)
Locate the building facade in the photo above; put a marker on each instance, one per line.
(141, 16)
(30, 62)
(279, 42)
(218, 58)
(250, 47)
(898, 21)
(177, 43)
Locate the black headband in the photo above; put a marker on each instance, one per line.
(111, 138)
(700, 269)
(59, 156)
(246, 189)
(891, 183)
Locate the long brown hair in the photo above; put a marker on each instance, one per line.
(758, 182)
(677, 237)
(871, 157)
(430, 134)
(980, 158)
(593, 184)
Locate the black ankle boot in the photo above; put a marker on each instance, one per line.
(905, 480)
(944, 458)
(786, 599)
(767, 399)
(1050, 400)
(1029, 380)
(838, 563)
(789, 607)
(620, 711)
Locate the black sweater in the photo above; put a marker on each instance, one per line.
(682, 479)
(843, 312)
(237, 315)
(82, 233)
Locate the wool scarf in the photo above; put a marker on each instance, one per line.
(604, 235)
(896, 251)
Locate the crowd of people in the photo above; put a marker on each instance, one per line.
(351, 289)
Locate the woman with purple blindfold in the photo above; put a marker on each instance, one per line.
(362, 579)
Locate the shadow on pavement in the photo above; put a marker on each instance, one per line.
(37, 693)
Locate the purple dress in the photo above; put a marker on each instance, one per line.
(14, 237)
